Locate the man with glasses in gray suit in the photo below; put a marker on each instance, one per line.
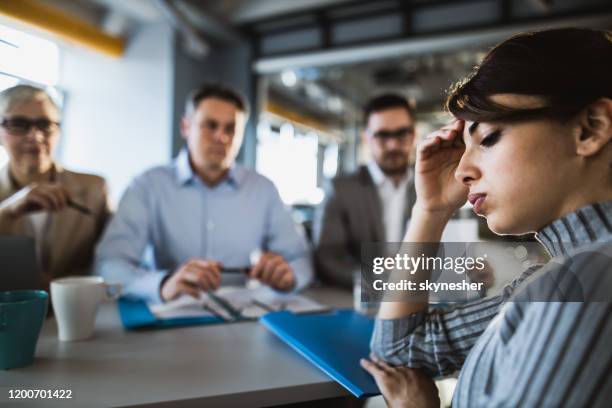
(374, 203)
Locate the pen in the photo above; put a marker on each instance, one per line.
(212, 311)
(262, 305)
(244, 270)
(235, 315)
(80, 208)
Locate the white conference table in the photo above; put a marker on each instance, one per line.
(238, 364)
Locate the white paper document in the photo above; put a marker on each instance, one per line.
(235, 303)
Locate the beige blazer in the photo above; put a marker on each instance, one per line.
(70, 236)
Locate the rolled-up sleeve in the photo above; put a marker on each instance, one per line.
(438, 341)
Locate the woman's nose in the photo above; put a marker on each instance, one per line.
(467, 171)
(36, 134)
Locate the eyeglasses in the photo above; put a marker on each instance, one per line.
(400, 133)
(20, 125)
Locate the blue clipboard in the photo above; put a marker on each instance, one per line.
(135, 314)
(334, 342)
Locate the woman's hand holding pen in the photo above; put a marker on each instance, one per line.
(438, 156)
(273, 270)
(191, 278)
(37, 197)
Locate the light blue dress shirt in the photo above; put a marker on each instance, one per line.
(169, 211)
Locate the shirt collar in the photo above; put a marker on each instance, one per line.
(379, 177)
(592, 223)
(182, 167)
(236, 175)
(185, 174)
(376, 173)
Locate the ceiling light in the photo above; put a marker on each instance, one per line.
(289, 78)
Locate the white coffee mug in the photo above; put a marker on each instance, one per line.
(75, 302)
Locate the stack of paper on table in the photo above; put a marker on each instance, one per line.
(235, 303)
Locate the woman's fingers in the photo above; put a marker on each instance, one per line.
(54, 196)
(48, 200)
(433, 139)
(36, 202)
(429, 146)
(450, 131)
(456, 125)
(381, 363)
(61, 196)
(449, 136)
(372, 368)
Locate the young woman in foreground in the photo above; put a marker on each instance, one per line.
(530, 149)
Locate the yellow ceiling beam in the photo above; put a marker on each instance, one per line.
(293, 116)
(67, 27)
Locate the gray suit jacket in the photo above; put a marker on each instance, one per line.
(350, 215)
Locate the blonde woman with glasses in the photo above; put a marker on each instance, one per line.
(65, 212)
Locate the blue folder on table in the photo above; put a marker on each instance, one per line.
(334, 342)
(135, 314)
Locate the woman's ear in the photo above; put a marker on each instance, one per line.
(595, 127)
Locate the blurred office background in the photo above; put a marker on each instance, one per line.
(121, 70)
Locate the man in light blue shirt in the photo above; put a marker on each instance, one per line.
(203, 214)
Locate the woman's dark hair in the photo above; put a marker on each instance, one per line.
(568, 68)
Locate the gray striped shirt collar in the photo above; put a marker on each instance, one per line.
(592, 223)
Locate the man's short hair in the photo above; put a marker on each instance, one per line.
(384, 102)
(218, 91)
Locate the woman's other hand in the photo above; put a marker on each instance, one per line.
(401, 386)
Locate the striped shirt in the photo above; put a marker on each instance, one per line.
(543, 342)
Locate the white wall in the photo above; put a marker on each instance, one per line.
(118, 112)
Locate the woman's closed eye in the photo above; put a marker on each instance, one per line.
(491, 138)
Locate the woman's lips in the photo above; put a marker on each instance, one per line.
(31, 149)
(477, 200)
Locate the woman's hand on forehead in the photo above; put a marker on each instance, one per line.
(450, 135)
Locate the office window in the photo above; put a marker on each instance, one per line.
(28, 58)
(25, 58)
(289, 158)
